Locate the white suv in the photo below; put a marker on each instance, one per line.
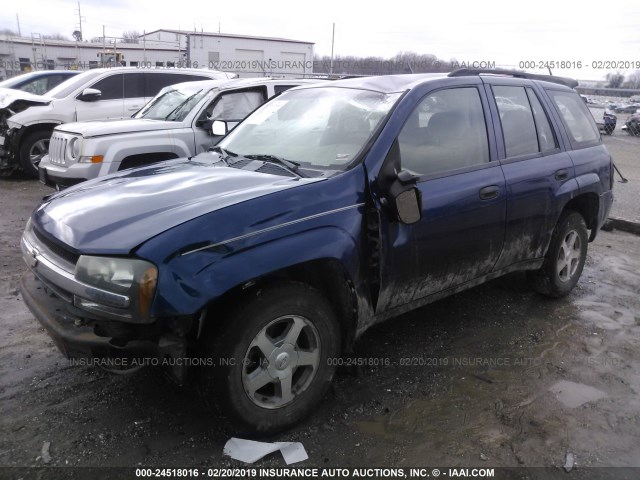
(99, 94)
(176, 123)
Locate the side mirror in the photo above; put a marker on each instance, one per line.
(408, 206)
(219, 128)
(90, 95)
(405, 198)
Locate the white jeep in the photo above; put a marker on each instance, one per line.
(27, 121)
(176, 123)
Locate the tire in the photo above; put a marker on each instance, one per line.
(633, 129)
(257, 381)
(34, 146)
(565, 258)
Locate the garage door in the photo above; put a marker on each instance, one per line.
(249, 61)
(293, 63)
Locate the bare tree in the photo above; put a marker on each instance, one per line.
(614, 80)
(77, 35)
(632, 80)
(131, 36)
(8, 31)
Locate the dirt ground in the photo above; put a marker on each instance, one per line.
(496, 376)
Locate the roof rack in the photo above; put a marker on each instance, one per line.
(465, 72)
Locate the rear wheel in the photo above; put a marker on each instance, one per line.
(272, 359)
(34, 147)
(565, 258)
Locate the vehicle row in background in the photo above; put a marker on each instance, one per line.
(176, 123)
(27, 121)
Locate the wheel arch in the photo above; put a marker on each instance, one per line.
(587, 205)
(29, 129)
(327, 275)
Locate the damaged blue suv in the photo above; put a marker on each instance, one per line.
(330, 208)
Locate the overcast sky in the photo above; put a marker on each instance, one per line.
(504, 32)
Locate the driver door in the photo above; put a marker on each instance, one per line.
(444, 143)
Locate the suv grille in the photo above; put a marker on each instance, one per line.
(56, 249)
(57, 149)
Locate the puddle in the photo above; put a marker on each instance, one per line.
(573, 394)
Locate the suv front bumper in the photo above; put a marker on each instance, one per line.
(60, 177)
(76, 336)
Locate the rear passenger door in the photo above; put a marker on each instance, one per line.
(445, 142)
(539, 174)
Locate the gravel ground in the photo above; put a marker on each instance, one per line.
(495, 376)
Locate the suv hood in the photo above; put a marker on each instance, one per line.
(116, 213)
(17, 100)
(112, 127)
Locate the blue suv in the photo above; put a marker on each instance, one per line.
(330, 208)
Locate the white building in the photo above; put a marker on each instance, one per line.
(242, 54)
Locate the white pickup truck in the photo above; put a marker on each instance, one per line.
(175, 123)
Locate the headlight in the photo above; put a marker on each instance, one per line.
(133, 278)
(73, 149)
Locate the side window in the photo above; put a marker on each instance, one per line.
(446, 131)
(516, 118)
(546, 138)
(282, 88)
(579, 122)
(157, 81)
(133, 85)
(234, 106)
(111, 87)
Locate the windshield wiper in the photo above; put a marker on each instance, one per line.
(290, 165)
(224, 154)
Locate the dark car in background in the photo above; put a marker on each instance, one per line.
(632, 108)
(329, 209)
(632, 125)
(605, 119)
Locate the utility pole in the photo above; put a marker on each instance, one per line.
(80, 19)
(188, 50)
(333, 37)
(18, 21)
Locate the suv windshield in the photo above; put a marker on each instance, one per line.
(315, 127)
(172, 103)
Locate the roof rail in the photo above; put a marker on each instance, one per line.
(465, 72)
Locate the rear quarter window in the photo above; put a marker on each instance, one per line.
(576, 118)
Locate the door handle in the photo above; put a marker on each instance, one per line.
(131, 109)
(562, 174)
(490, 192)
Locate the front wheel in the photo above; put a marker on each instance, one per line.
(272, 359)
(34, 147)
(565, 258)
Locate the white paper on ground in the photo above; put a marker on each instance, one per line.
(250, 451)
